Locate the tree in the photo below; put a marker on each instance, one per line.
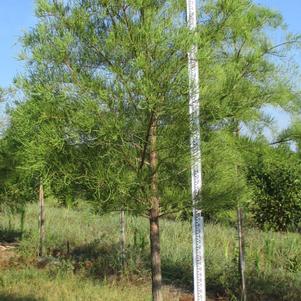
(245, 75)
(98, 51)
(275, 175)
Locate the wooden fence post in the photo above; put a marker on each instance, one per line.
(41, 219)
(242, 264)
(122, 238)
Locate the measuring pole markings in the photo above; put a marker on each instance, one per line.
(196, 168)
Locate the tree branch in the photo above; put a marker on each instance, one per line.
(143, 155)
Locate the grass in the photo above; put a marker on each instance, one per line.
(39, 285)
(91, 269)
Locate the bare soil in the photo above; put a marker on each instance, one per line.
(7, 253)
(173, 293)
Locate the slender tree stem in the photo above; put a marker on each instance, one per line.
(41, 219)
(122, 238)
(241, 253)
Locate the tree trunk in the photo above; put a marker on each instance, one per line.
(41, 219)
(154, 216)
(122, 238)
(241, 253)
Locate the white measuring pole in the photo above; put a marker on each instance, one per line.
(196, 168)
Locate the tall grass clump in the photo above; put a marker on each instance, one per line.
(87, 245)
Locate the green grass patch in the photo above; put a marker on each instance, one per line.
(91, 268)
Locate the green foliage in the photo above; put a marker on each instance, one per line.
(225, 184)
(96, 102)
(97, 74)
(277, 190)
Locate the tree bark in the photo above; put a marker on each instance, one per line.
(122, 238)
(41, 219)
(154, 216)
(241, 253)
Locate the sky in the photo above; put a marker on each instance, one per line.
(290, 10)
(17, 16)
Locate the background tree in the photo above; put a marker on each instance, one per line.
(275, 176)
(245, 73)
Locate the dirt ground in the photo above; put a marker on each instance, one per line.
(7, 253)
(175, 294)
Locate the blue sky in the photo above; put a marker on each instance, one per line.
(290, 10)
(17, 16)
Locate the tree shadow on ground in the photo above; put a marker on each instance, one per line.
(13, 297)
(177, 274)
(276, 286)
(10, 235)
(102, 260)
